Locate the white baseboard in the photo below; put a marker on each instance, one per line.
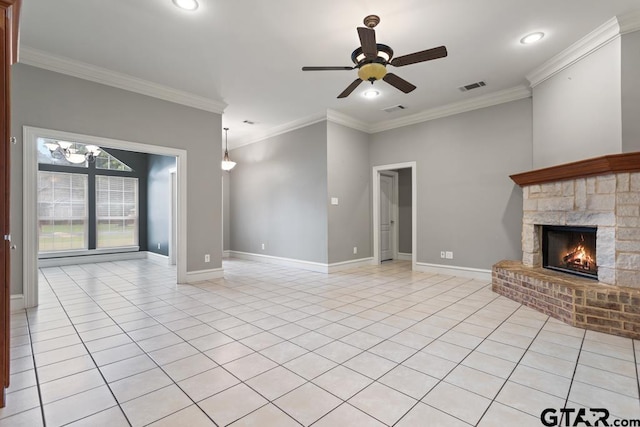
(346, 265)
(318, 267)
(17, 302)
(226, 254)
(203, 275)
(158, 258)
(90, 259)
(285, 262)
(404, 257)
(452, 270)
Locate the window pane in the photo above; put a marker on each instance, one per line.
(53, 154)
(117, 211)
(62, 211)
(107, 161)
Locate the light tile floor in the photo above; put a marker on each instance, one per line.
(120, 343)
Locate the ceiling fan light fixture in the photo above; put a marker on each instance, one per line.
(186, 4)
(372, 72)
(371, 93)
(532, 38)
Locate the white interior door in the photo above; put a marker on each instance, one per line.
(386, 217)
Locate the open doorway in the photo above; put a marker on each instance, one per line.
(30, 189)
(394, 204)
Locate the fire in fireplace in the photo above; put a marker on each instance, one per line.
(570, 249)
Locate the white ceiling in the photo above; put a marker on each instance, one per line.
(248, 53)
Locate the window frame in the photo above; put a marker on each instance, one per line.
(91, 171)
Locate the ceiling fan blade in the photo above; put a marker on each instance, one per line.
(350, 89)
(368, 42)
(398, 83)
(327, 68)
(425, 55)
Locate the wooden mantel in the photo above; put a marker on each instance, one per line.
(614, 163)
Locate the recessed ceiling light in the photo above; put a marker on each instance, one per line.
(371, 93)
(186, 4)
(532, 38)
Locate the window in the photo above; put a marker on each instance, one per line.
(62, 211)
(48, 157)
(116, 211)
(107, 161)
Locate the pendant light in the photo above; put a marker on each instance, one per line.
(227, 164)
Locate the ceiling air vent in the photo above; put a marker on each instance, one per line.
(249, 122)
(471, 86)
(394, 108)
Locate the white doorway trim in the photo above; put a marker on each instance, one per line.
(30, 177)
(173, 215)
(376, 209)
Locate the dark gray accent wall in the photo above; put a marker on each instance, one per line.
(630, 92)
(404, 211)
(50, 100)
(159, 202)
(279, 194)
(466, 202)
(349, 180)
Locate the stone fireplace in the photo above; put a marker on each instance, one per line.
(590, 211)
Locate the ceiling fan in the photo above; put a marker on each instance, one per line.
(371, 60)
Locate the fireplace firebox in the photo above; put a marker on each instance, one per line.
(570, 250)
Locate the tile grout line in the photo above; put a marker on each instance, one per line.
(512, 371)
(35, 370)
(90, 355)
(98, 367)
(418, 350)
(463, 359)
(341, 364)
(575, 369)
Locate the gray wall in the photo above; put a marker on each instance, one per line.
(50, 100)
(279, 195)
(466, 202)
(348, 179)
(159, 202)
(404, 211)
(630, 92)
(576, 113)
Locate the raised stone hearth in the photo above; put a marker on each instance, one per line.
(603, 193)
(580, 302)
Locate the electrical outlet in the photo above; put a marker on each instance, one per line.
(442, 254)
(263, 246)
(158, 245)
(449, 255)
(207, 258)
(355, 249)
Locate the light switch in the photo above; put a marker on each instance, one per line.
(334, 201)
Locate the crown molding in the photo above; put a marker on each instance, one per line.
(483, 101)
(629, 22)
(82, 70)
(348, 121)
(281, 129)
(604, 34)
